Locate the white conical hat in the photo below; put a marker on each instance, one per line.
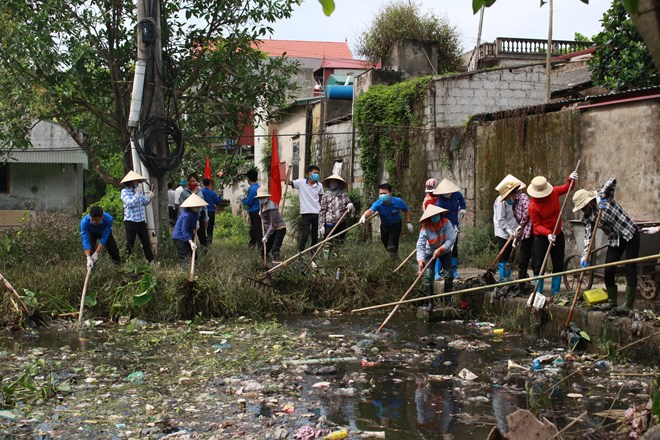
(336, 177)
(194, 201)
(446, 186)
(508, 184)
(430, 211)
(132, 176)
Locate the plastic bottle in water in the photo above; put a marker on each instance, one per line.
(338, 274)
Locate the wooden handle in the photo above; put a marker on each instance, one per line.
(405, 295)
(82, 297)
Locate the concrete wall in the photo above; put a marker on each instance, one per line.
(459, 96)
(412, 58)
(623, 141)
(44, 187)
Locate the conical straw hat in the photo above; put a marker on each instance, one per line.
(507, 185)
(132, 176)
(581, 198)
(262, 192)
(430, 211)
(539, 187)
(194, 201)
(336, 177)
(446, 187)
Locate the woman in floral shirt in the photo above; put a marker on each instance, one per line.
(334, 203)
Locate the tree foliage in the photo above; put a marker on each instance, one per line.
(73, 61)
(622, 60)
(402, 20)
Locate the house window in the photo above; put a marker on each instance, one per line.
(4, 178)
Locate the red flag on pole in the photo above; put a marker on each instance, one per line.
(207, 170)
(275, 184)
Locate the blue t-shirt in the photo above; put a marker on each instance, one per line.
(453, 204)
(184, 229)
(251, 200)
(389, 212)
(212, 198)
(103, 229)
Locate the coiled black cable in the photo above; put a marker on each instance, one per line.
(157, 131)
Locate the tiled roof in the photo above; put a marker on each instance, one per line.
(305, 49)
(334, 63)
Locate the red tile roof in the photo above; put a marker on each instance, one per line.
(305, 49)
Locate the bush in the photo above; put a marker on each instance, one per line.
(231, 228)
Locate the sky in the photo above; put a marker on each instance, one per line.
(506, 18)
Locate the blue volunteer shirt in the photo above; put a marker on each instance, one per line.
(453, 204)
(389, 212)
(103, 229)
(184, 229)
(251, 200)
(212, 198)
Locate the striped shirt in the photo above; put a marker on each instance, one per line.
(134, 203)
(614, 221)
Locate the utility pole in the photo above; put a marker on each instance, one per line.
(147, 88)
(548, 54)
(478, 49)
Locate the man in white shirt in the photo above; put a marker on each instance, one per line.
(310, 191)
(171, 202)
(177, 194)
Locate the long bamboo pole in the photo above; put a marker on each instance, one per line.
(594, 231)
(508, 283)
(405, 261)
(284, 263)
(330, 235)
(405, 295)
(82, 297)
(554, 232)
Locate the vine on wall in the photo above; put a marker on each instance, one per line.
(383, 115)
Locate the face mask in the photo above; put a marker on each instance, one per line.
(195, 210)
(384, 198)
(436, 218)
(315, 177)
(446, 196)
(333, 185)
(135, 185)
(192, 186)
(263, 201)
(509, 202)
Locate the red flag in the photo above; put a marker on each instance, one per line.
(207, 170)
(275, 184)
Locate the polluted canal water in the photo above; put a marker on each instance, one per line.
(303, 377)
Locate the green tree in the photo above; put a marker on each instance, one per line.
(73, 61)
(581, 37)
(403, 20)
(622, 60)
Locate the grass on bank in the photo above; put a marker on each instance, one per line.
(45, 263)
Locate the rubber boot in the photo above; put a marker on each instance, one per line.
(438, 270)
(502, 268)
(454, 263)
(612, 293)
(448, 287)
(540, 284)
(629, 301)
(556, 285)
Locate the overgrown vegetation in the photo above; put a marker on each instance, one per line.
(163, 293)
(402, 20)
(622, 61)
(383, 115)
